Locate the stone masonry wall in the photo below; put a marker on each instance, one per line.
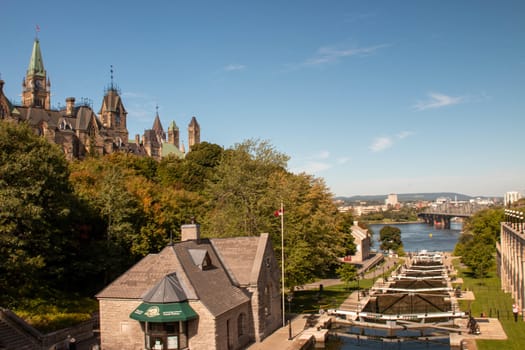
(118, 331)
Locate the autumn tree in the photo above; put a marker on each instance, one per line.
(249, 185)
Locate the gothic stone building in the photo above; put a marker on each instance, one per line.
(78, 129)
(197, 294)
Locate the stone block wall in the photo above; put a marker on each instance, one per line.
(118, 331)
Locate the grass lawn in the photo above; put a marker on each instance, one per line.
(48, 315)
(490, 300)
(310, 301)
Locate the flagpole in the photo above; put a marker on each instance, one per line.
(282, 262)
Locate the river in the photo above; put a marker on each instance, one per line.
(418, 236)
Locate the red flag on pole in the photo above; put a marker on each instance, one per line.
(278, 212)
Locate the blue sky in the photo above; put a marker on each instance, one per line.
(374, 97)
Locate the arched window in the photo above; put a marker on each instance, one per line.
(241, 324)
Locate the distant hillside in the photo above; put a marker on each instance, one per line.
(408, 197)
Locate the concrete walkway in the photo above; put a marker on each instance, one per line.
(279, 340)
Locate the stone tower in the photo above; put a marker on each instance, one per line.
(36, 87)
(194, 133)
(113, 115)
(157, 127)
(173, 135)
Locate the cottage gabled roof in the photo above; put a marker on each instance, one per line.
(243, 256)
(144, 275)
(213, 286)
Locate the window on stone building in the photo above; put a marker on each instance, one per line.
(241, 324)
(166, 336)
(268, 300)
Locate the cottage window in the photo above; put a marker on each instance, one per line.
(241, 324)
(268, 300)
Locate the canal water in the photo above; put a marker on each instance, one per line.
(418, 236)
(415, 237)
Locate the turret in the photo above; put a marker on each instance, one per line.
(70, 106)
(194, 133)
(173, 134)
(36, 87)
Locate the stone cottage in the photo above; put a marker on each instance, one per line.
(196, 294)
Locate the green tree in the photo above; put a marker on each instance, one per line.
(347, 273)
(477, 243)
(35, 224)
(250, 183)
(345, 227)
(390, 238)
(238, 195)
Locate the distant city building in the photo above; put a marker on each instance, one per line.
(511, 197)
(359, 210)
(391, 200)
(78, 129)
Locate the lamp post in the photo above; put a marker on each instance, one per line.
(289, 297)
(358, 298)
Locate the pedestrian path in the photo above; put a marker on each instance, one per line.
(280, 339)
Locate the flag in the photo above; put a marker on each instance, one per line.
(37, 28)
(279, 212)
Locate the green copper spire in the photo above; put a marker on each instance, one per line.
(173, 126)
(36, 64)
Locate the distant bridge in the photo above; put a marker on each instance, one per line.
(442, 214)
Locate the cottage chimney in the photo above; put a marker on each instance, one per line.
(70, 105)
(190, 232)
(1, 85)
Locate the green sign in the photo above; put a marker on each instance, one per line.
(172, 312)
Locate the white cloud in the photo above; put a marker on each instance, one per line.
(234, 67)
(322, 155)
(329, 54)
(404, 134)
(318, 162)
(381, 143)
(343, 160)
(437, 100)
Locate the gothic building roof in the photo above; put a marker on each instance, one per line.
(36, 63)
(112, 102)
(173, 126)
(194, 122)
(168, 148)
(157, 125)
